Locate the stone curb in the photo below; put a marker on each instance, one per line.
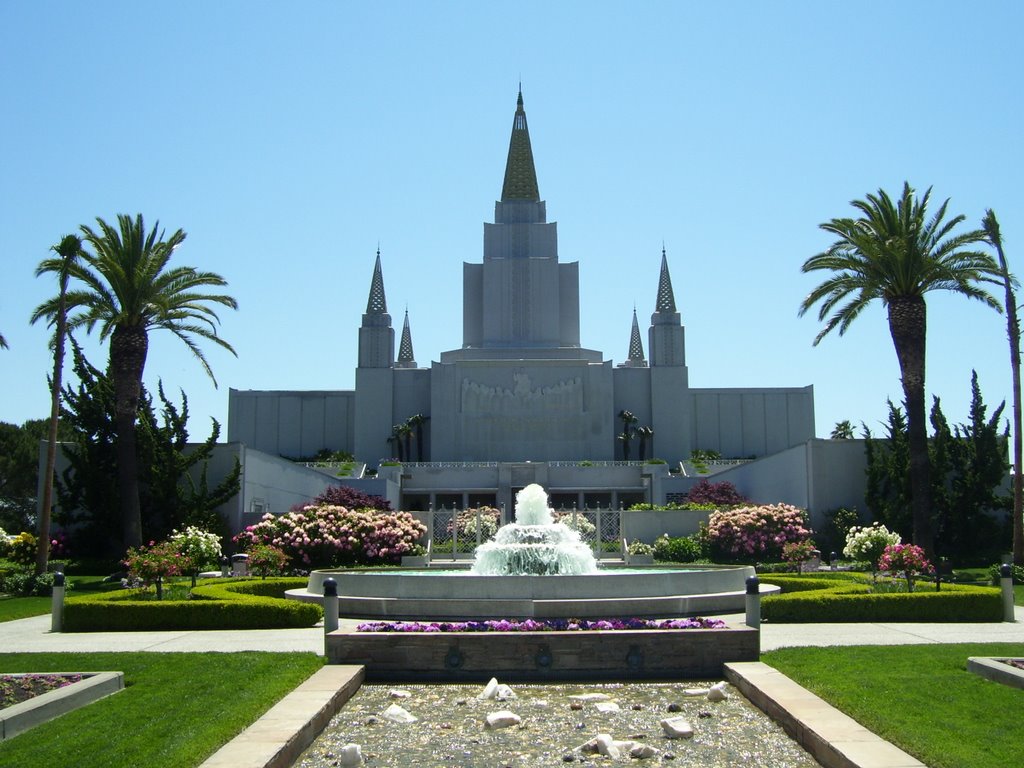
(47, 706)
(278, 738)
(993, 668)
(834, 739)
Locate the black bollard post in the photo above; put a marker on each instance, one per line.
(1006, 581)
(57, 604)
(330, 605)
(753, 602)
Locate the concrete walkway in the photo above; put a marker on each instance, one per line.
(33, 635)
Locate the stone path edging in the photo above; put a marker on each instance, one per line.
(834, 739)
(47, 706)
(278, 738)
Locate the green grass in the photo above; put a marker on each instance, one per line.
(12, 608)
(920, 697)
(176, 710)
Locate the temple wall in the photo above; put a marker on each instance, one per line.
(742, 423)
(296, 424)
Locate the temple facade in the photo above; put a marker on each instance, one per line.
(521, 391)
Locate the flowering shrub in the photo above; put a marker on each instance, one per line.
(153, 564)
(576, 522)
(905, 559)
(535, 625)
(680, 549)
(468, 520)
(327, 535)
(722, 494)
(22, 549)
(757, 533)
(869, 542)
(266, 560)
(637, 547)
(798, 553)
(197, 548)
(4, 543)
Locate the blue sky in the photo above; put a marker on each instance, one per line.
(289, 139)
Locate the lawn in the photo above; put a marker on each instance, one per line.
(176, 709)
(920, 697)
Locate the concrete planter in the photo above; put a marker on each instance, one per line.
(45, 707)
(612, 654)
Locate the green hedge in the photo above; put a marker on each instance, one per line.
(255, 604)
(828, 600)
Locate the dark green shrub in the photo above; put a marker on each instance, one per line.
(250, 604)
(829, 600)
(681, 549)
(995, 579)
(25, 583)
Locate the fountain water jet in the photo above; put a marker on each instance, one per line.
(534, 544)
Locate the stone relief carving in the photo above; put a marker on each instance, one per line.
(523, 398)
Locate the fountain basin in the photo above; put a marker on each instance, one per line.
(436, 594)
(611, 654)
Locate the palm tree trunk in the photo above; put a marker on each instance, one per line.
(907, 324)
(43, 551)
(991, 226)
(128, 348)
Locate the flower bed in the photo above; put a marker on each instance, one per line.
(15, 689)
(532, 625)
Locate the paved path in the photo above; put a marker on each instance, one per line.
(33, 635)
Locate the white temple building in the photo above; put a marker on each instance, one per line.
(521, 401)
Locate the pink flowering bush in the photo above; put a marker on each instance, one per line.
(907, 560)
(326, 535)
(265, 560)
(798, 553)
(756, 533)
(153, 564)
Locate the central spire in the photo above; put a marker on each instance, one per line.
(520, 175)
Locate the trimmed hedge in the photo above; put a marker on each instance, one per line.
(828, 600)
(247, 604)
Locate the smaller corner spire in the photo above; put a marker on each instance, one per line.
(636, 347)
(406, 358)
(666, 301)
(377, 303)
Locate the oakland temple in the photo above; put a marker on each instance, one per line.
(520, 400)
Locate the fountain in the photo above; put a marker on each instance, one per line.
(534, 568)
(534, 544)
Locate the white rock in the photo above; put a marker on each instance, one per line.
(677, 728)
(540, 703)
(351, 754)
(504, 693)
(589, 697)
(397, 693)
(606, 706)
(396, 714)
(589, 747)
(606, 746)
(717, 692)
(640, 751)
(502, 719)
(696, 691)
(489, 690)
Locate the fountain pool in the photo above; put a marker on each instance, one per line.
(533, 569)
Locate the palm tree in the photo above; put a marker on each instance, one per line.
(991, 226)
(843, 430)
(628, 420)
(895, 253)
(67, 251)
(129, 290)
(416, 423)
(644, 434)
